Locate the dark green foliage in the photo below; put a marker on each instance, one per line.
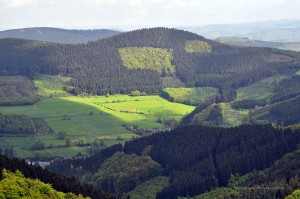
(278, 181)
(58, 182)
(286, 89)
(62, 135)
(201, 158)
(191, 96)
(97, 67)
(17, 90)
(149, 188)
(15, 185)
(22, 125)
(38, 145)
(121, 173)
(209, 116)
(286, 112)
(188, 118)
(87, 164)
(248, 104)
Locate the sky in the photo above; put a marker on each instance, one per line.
(92, 14)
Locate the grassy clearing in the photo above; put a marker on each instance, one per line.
(91, 118)
(233, 117)
(149, 188)
(298, 72)
(261, 90)
(191, 96)
(52, 85)
(157, 59)
(197, 46)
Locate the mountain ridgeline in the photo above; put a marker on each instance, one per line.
(57, 35)
(120, 64)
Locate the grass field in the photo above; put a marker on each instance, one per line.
(233, 117)
(261, 90)
(191, 96)
(149, 188)
(197, 46)
(91, 118)
(157, 59)
(51, 85)
(298, 72)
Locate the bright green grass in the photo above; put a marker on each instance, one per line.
(298, 72)
(52, 85)
(149, 188)
(191, 96)
(104, 122)
(261, 90)
(233, 117)
(157, 59)
(197, 46)
(152, 107)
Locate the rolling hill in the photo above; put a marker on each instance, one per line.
(111, 66)
(58, 35)
(245, 41)
(277, 31)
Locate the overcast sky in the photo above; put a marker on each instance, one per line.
(86, 14)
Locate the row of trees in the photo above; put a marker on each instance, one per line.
(23, 125)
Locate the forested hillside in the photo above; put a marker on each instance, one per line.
(15, 185)
(58, 182)
(196, 159)
(99, 68)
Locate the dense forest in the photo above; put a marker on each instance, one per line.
(287, 112)
(17, 90)
(97, 67)
(197, 159)
(58, 182)
(287, 89)
(23, 125)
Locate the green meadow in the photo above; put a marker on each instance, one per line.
(262, 90)
(91, 118)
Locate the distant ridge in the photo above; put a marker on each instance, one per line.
(57, 35)
(245, 41)
(287, 30)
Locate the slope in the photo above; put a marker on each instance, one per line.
(98, 67)
(58, 35)
(282, 30)
(59, 182)
(194, 161)
(245, 41)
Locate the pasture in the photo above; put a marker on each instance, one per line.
(191, 96)
(91, 118)
(262, 90)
